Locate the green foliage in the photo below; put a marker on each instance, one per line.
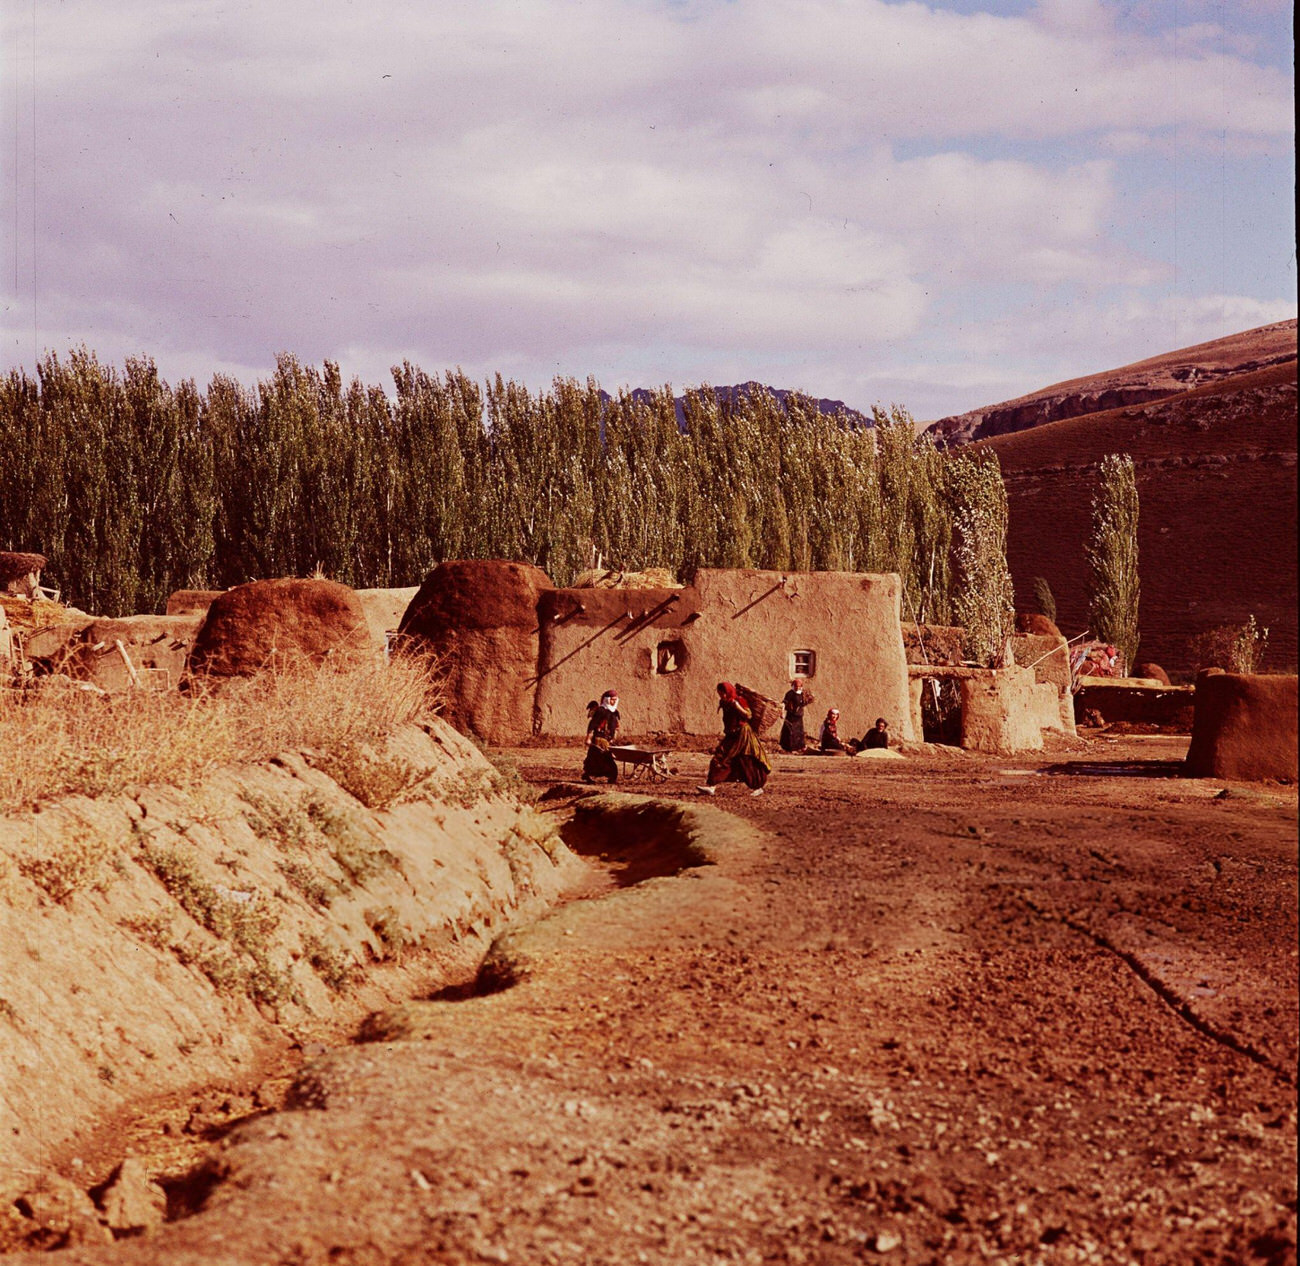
(331, 962)
(245, 923)
(1112, 553)
(133, 489)
(983, 597)
(1044, 598)
(308, 881)
(245, 920)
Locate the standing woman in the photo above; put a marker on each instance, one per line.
(796, 700)
(740, 756)
(601, 729)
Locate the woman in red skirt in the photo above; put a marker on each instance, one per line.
(740, 756)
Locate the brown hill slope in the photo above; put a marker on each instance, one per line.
(1217, 481)
(1153, 379)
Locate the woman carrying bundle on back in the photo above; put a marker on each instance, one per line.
(739, 757)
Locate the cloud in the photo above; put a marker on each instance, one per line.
(602, 187)
(1108, 330)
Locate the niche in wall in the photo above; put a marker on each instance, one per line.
(670, 657)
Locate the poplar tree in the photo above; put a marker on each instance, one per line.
(983, 600)
(1112, 554)
(133, 488)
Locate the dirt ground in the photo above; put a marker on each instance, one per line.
(941, 1009)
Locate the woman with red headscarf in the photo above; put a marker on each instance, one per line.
(740, 756)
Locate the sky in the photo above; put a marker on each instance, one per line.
(935, 204)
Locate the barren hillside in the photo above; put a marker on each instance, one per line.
(1217, 479)
(1156, 378)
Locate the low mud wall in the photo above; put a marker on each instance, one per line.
(1245, 727)
(1169, 707)
(161, 940)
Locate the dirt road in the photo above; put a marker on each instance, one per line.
(942, 1009)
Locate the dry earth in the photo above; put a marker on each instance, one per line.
(941, 1009)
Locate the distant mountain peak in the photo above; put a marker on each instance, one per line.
(830, 408)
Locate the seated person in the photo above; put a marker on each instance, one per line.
(877, 736)
(830, 735)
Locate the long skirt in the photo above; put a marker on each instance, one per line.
(739, 758)
(598, 762)
(792, 735)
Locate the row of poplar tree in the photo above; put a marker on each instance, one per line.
(134, 488)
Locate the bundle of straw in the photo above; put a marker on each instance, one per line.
(651, 578)
(765, 711)
(35, 613)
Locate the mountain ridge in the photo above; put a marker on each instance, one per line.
(1138, 383)
(725, 395)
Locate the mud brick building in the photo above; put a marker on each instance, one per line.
(523, 657)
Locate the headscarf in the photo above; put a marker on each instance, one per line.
(609, 700)
(727, 692)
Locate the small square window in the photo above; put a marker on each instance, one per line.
(803, 663)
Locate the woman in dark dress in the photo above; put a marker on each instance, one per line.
(740, 756)
(601, 729)
(797, 698)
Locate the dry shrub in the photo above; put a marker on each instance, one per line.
(378, 781)
(75, 864)
(60, 740)
(1236, 648)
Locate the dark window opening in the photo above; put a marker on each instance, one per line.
(670, 657)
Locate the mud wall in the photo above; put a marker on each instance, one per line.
(1007, 711)
(162, 940)
(1049, 656)
(665, 650)
(156, 647)
(1244, 727)
(384, 609)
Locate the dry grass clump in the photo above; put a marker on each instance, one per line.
(60, 740)
(1236, 648)
(378, 781)
(75, 864)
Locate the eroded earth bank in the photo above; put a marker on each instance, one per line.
(939, 1009)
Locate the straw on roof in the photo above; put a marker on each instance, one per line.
(601, 578)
